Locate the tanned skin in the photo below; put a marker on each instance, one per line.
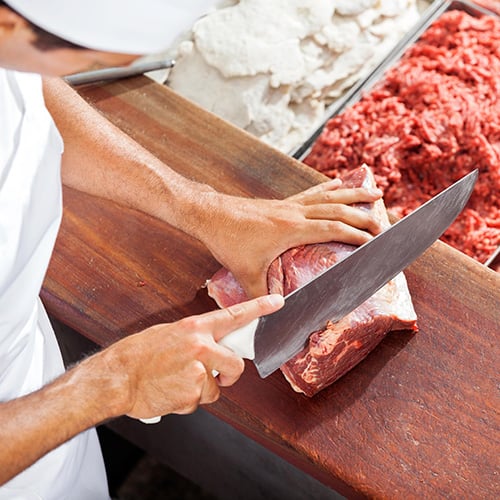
(166, 368)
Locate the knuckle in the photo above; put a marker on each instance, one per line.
(333, 196)
(192, 323)
(194, 389)
(213, 395)
(201, 349)
(295, 217)
(373, 224)
(335, 226)
(236, 311)
(191, 407)
(234, 367)
(370, 222)
(198, 373)
(360, 237)
(196, 344)
(239, 366)
(337, 210)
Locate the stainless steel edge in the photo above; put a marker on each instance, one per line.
(493, 257)
(346, 285)
(118, 72)
(432, 13)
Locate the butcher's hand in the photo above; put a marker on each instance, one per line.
(246, 235)
(168, 368)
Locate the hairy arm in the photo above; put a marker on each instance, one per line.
(103, 161)
(244, 235)
(164, 369)
(33, 425)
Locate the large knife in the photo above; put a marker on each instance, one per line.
(274, 339)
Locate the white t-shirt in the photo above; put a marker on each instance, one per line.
(30, 214)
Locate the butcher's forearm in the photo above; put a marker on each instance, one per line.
(244, 235)
(102, 160)
(33, 425)
(167, 368)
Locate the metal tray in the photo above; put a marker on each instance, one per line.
(435, 10)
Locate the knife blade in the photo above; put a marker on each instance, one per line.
(274, 339)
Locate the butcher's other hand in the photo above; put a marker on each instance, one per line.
(167, 368)
(246, 235)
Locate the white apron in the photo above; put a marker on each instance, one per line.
(30, 213)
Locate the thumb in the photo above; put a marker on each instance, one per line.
(255, 286)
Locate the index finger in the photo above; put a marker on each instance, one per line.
(330, 185)
(231, 318)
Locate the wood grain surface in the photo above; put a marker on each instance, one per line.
(419, 418)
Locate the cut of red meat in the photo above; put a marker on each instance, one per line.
(331, 352)
(431, 119)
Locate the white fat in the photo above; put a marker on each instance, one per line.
(272, 67)
(353, 7)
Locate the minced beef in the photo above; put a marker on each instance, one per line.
(433, 118)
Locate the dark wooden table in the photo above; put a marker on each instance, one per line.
(419, 418)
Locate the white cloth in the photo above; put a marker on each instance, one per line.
(30, 214)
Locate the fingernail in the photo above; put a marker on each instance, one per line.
(276, 299)
(376, 191)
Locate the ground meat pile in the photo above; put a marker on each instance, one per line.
(433, 118)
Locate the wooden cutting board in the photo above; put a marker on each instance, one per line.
(418, 418)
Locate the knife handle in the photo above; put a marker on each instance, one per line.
(240, 341)
(152, 420)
